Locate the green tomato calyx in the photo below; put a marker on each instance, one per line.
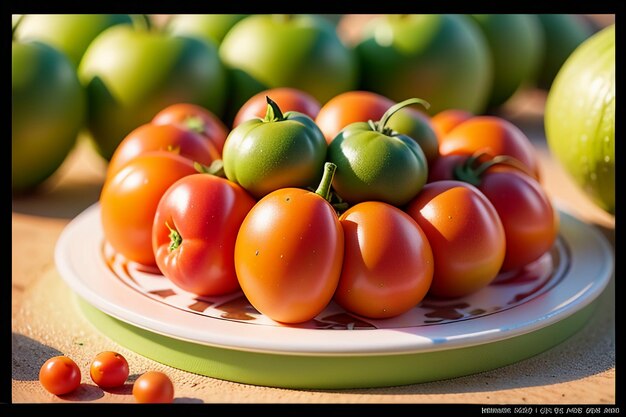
(195, 124)
(323, 189)
(472, 170)
(273, 113)
(175, 238)
(216, 168)
(381, 125)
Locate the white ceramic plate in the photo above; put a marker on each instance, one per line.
(558, 285)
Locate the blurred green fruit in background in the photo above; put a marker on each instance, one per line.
(516, 44)
(562, 34)
(580, 117)
(130, 75)
(298, 51)
(72, 33)
(210, 27)
(48, 111)
(443, 59)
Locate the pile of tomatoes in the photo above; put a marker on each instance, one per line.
(361, 200)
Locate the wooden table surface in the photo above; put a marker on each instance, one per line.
(46, 322)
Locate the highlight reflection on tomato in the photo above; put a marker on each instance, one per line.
(59, 375)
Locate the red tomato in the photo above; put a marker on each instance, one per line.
(465, 234)
(196, 118)
(129, 200)
(492, 135)
(194, 232)
(288, 253)
(152, 137)
(59, 375)
(443, 167)
(109, 369)
(153, 387)
(446, 120)
(387, 264)
(288, 99)
(349, 107)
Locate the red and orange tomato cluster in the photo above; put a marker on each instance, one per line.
(433, 206)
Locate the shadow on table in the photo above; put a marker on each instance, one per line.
(28, 355)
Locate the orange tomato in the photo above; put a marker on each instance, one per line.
(465, 233)
(109, 369)
(130, 197)
(153, 387)
(289, 252)
(287, 98)
(350, 107)
(196, 118)
(59, 375)
(387, 264)
(446, 120)
(494, 136)
(152, 137)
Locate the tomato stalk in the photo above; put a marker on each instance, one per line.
(273, 113)
(472, 169)
(381, 125)
(216, 168)
(323, 189)
(175, 238)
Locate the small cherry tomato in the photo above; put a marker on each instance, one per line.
(196, 118)
(288, 99)
(129, 200)
(109, 369)
(387, 264)
(289, 251)
(194, 232)
(153, 387)
(446, 120)
(59, 375)
(350, 107)
(492, 135)
(465, 233)
(152, 137)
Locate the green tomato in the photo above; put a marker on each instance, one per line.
(279, 151)
(416, 125)
(516, 45)
(443, 59)
(210, 27)
(72, 33)
(301, 51)
(131, 75)
(375, 163)
(580, 117)
(48, 111)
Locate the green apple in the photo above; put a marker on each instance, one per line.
(516, 44)
(298, 51)
(48, 110)
(132, 74)
(210, 27)
(562, 34)
(443, 59)
(580, 117)
(72, 33)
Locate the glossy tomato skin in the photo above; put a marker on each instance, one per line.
(465, 233)
(196, 118)
(288, 255)
(388, 262)
(153, 387)
(109, 369)
(152, 137)
(287, 98)
(129, 200)
(206, 212)
(350, 107)
(446, 120)
(59, 375)
(493, 135)
(530, 222)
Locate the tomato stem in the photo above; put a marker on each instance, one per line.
(216, 168)
(323, 189)
(382, 124)
(472, 169)
(273, 113)
(195, 124)
(175, 238)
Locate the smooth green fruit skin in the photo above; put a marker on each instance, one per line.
(48, 111)
(72, 33)
(264, 156)
(374, 166)
(301, 51)
(562, 34)
(443, 59)
(580, 117)
(516, 44)
(130, 75)
(418, 128)
(210, 27)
